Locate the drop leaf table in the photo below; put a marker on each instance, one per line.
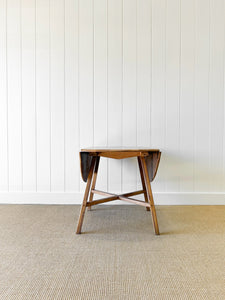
(148, 162)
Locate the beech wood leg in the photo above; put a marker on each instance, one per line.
(149, 195)
(94, 180)
(83, 207)
(143, 181)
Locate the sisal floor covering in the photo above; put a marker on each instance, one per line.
(117, 257)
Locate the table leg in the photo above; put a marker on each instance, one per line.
(83, 207)
(149, 195)
(143, 181)
(94, 180)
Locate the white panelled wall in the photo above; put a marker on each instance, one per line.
(79, 73)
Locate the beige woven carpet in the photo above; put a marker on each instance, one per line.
(118, 256)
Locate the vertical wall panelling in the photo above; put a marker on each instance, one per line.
(14, 94)
(202, 68)
(158, 96)
(129, 90)
(86, 80)
(3, 99)
(223, 175)
(172, 94)
(72, 176)
(57, 91)
(216, 92)
(83, 73)
(143, 73)
(187, 79)
(43, 95)
(115, 70)
(100, 84)
(86, 72)
(28, 94)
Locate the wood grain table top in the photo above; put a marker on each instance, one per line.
(152, 157)
(118, 149)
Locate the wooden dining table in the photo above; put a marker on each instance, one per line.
(148, 162)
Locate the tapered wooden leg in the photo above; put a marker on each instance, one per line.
(149, 195)
(94, 180)
(143, 181)
(83, 207)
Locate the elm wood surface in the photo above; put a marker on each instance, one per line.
(83, 207)
(113, 197)
(143, 182)
(122, 149)
(94, 180)
(148, 161)
(149, 194)
(152, 158)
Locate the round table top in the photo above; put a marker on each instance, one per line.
(118, 149)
